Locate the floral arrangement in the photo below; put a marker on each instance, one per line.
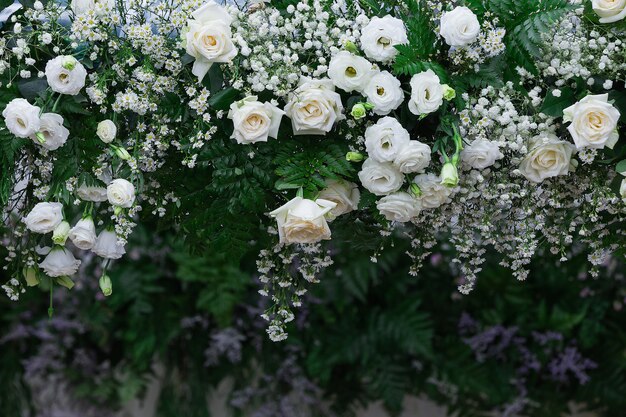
(481, 123)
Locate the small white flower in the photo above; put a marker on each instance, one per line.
(21, 118)
(593, 122)
(399, 207)
(254, 121)
(83, 234)
(44, 217)
(121, 193)
(107, 246)
(380, 36)
(426, 93)
(384, 139)
(459, 27)
(60, 262)
(344, 194)
(65, 75)
(384, 92)
(106, 131)
(481, 154)
(380, 178)
(350, 72)
(303, 221)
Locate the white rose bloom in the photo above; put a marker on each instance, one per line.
(414, 157)
(106, 131)
(121, 193)
(92, 193)
(65, 75)
(60, 262)
(384, 139)
(21, 118)
(208, 38)
(52, 131)
(610, 11)
(380, 178)
(44, 217)
(107, 246)
(314, 107)
(593, 122)
(303, 221)
(622, 189)
(380, 36)
(481, 154)
(254, 121)
(344, 194)
(426, 93)
(83, 234)
(399, 207)
(459, 27)
(350, 72)
(548, 157)
(434, 194)
(384, 92)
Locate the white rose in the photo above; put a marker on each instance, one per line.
(380, 36)
(65, 75)
(399, 207)
(610, 11)
(414, 157)
(208, 38)
(107, 246)
(254, 121)
(350, 72)
(426, 93)
(344, 194)
(593, 122)
(380, 178)
(433, 193)
(83, 234)
(106, 131)
(314, 107)
(459, 27)
(303, 221)
(21, 118)
(121, 193)
(384, 92)
(384, 139)
(92, 193)
(44, 217)
(481, 154)
(52, 134)
(60, 262)
(548, 157)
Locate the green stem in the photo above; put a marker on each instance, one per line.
(51, 309)
(56, 103)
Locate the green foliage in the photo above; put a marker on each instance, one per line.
(554, 106)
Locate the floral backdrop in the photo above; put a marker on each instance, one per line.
(411, 196)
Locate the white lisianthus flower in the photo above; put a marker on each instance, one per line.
(208, 38)
(548, 157)
(344, 194)
(106, 131)
(609, 11)
(254, 121)
(21, 118)
(459, 27)
(384, 92)
(622, 189)
(399, 207)
(384, 139)
(52, 134)
(481, 154)
(380, 178)
(350, 72)
(121, 193)
(426, 93)
(433, 193)
(92, 193)
(107, 246)
(593, 122)
(44, 217)
(303, 221)
(60, 262)
(83, 234)
(380, 36)
(314, 107)
(65, 75)
(414, 157)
